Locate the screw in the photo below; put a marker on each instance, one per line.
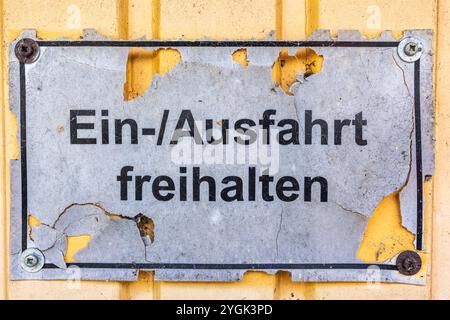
(412, 49)
(27, 50)
(409, 263)
(32, 260)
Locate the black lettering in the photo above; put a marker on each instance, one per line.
(225, 125)
(105, 128)
(266, 180)
(323, 188)
(282, 187)
(133, 130)
(338, 126)
(157, 188)
(138, 186)
(186, 116)
(183, 184)
(251, 134)
(196, 185)
(309, 124)
(75, 126)
(251, 183)
(292, 132)
(266, 122)
(124, 178)
(359, 122)
(237, 189)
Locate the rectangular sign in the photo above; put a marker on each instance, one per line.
(240, 155)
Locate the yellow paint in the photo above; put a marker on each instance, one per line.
(371, 17)
(143, 64)
(143, 289)
(312, 16)
(255, 285)
(215, 19)
(59, 18)
(385, 236)
(74, 245)
(236, 19)
(278, 19)
(371, 34)
(32, 223)
(441, 223)
(240, 56)
(286, 69)
(113, 216)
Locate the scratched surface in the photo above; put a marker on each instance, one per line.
(72, 189)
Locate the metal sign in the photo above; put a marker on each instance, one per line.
(219, 167)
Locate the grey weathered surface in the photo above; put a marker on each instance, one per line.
(72, 189)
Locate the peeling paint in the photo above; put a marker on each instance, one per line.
(240, 56)
(287, 68)
(87, 232)
(74, 245)
(146, 227)
(373, 34)
(143, 64)
(385, 237)
(32, 223)
(81, 224)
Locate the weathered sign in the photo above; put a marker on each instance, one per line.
(222, 165)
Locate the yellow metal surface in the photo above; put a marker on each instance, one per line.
(241, 19)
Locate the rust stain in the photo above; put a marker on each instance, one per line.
(146, 226)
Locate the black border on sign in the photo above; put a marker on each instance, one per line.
(197, 266)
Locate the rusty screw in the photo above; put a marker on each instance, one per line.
(27, 50)
(409, 263)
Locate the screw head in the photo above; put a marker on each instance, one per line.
(409, 263)
(32, 260)
(27, 50)
(410, 49)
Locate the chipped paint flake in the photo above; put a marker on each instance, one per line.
(74, 245)
(240, 56)
(143, 65)
(385, 237)
(289, 69)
